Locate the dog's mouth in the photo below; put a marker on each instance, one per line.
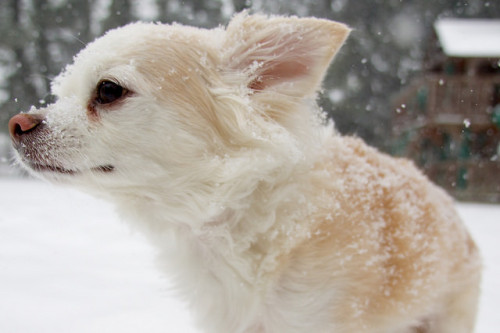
(33, 160)
(38, 167)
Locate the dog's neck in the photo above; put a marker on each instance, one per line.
(233, 256)
(242, 234)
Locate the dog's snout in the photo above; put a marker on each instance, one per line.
(23, 123)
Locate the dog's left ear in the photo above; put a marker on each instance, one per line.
(287, 54)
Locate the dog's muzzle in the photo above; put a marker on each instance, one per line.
(25, 131)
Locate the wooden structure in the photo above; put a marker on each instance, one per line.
(448, 120)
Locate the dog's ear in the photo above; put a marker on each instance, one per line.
(287, 54)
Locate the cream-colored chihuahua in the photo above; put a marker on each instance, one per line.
(269, 221)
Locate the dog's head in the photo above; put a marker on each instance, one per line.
(168, 106)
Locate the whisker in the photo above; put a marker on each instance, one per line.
(78, 39)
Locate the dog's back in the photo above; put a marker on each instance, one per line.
(387, 249)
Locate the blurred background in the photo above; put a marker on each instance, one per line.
(416, 78)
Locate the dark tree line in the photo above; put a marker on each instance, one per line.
(39, 37)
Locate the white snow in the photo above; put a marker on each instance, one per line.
(469, 37)
(67, 264)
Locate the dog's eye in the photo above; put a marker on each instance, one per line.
(108, 92)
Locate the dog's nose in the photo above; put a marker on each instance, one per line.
(23, 123)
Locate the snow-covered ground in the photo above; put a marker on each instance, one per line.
(68, 265)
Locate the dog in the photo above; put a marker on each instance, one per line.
(211, 142)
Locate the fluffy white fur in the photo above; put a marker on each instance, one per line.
(268, 220)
